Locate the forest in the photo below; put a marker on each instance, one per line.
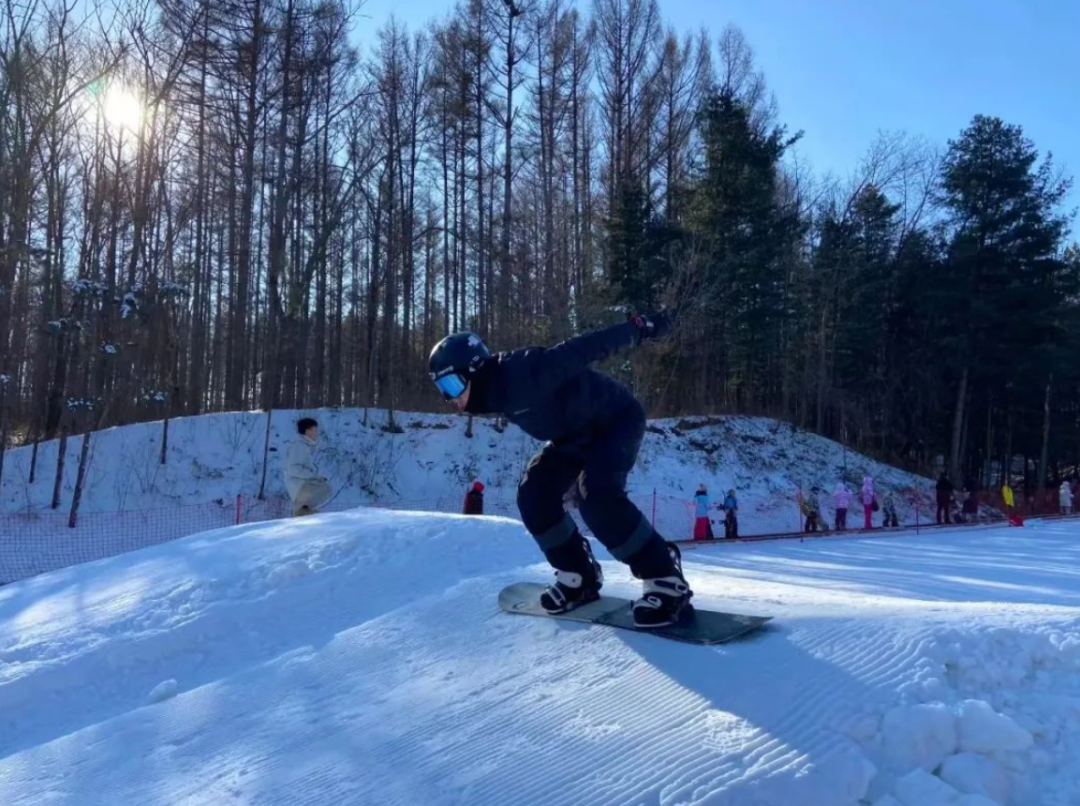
(214, 205)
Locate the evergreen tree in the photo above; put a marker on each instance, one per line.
(742, 235)
(1000, 280)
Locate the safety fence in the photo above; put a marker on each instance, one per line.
(32, 543)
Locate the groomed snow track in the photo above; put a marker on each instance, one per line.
(360, 658)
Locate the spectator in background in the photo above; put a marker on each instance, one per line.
(702, 524)
(944, 496)
(811, 508)
(841, 502)
(957, 515)
(474, 500)
(888, 511)
(731, 517)
(970, 509)
(308, 490)
(868, 502)
(1065, 498)
(1008, 498)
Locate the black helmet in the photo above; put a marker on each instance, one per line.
(454, 359)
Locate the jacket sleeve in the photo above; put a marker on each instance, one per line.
(548, 369)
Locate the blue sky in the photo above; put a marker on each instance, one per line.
(844, 69)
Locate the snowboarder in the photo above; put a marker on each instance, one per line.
(888, 512)
(841, 502)
(593, 427)
(474, 500)
(731, 516)
(944, 496)
(702, 524)
(307, 489)
(869, 502)
(810, 508)
(1065, 499)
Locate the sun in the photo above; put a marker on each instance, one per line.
(122, 108)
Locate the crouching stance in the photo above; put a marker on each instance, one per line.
(593, 427)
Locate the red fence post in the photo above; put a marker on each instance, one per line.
(239, 508)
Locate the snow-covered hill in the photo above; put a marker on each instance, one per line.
(218, 456)
(359, 658)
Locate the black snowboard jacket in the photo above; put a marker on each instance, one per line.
(552, 394)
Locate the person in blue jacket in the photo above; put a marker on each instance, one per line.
(731, 519)
(593, 427)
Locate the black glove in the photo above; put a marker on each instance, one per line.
(653, 325)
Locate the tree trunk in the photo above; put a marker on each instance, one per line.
(1044, 454)
(80, 478)
(266, 455)
(958, 428)
(3, 425)
(164, 439)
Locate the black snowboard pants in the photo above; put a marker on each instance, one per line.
(598, 463)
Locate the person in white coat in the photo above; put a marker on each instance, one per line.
(1065, 498)
(307, 488)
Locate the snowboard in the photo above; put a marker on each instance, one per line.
(695, 626)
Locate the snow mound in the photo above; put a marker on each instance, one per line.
(217, 456)
(921, 735)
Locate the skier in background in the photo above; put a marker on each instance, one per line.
(731, 516)
(474, 500)
(956, 513)
(888, 512)
(944, 496)
(308, 490)
(1008, 499)
(869, 502)
(970, 507)
(841, 502)
(1065, 499)
(593, 426)
(702, 524)
(811, 509)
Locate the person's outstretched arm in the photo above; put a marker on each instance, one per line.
(550, 368)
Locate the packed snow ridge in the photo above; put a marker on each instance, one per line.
(360, 658)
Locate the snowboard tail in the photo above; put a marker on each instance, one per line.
(695, 626)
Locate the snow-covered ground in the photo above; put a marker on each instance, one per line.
(360, 658)
(220, 455)
(213, 458)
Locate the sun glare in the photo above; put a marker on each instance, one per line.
(122, 108)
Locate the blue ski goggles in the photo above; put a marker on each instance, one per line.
(451, 385)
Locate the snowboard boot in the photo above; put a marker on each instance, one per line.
(664, 597)
(578, 577)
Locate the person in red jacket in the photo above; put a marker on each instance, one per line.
(474, 500)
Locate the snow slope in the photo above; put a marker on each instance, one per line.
(359, 658)
(218, 456)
